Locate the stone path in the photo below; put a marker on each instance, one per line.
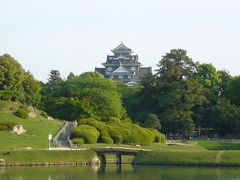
(62, 138)
(219, 157)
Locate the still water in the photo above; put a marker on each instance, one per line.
(128, 172)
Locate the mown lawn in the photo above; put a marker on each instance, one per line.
(36, 136)
(230, 158)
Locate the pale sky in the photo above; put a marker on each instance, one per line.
(77, 35)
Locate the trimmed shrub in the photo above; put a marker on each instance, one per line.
(7, 126)
(21, 113)
(115, 135)
(89, 133)
(128, 133)
(78, 141)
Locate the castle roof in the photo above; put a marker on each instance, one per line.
(122, 49)
(120, 70)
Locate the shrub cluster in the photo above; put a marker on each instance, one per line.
(158, 137)
(7, 126)
(44, 114)
(114, 132)
(22, 113)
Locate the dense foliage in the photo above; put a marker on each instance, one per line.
(181, 97)
(83, 96)
(186, 96)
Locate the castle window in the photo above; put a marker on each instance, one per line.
(109, 68)
(120, 77)
(133, 68)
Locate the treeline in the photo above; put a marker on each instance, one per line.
(186, 96)
(182, 96)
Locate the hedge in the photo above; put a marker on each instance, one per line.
(128, 133)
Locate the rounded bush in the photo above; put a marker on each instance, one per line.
(78, 141)
(44, 114)
(89, 133)
(22, 113)
(115, 135)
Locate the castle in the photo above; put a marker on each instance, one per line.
(124, 66)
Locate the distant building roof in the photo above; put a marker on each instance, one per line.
(100, 70)
(120, 70)
(122, 49)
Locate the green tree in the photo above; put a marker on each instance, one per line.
(16, 84)
(232, 90)
(54, 77)
(11, 78)
(152, 121)
(86, 95)
(225, 117)
(31, 89)
(225, 79)
(209, 77)
(71, 75)
(173, 92)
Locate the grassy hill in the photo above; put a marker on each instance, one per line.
(37, 129)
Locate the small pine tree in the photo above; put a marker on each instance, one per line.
(152, 121)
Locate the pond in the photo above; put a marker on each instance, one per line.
(111, 172)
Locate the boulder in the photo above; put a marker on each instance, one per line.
(32, 113)
(18, 129)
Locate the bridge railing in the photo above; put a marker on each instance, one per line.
(226, 140)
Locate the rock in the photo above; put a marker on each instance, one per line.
(25, 148)
(32, 112)
(18, 129)
(2, 160)
(95, 161)
(49, 118)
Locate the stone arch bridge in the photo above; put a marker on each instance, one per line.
(118, 151)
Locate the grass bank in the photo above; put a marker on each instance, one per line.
(198, 158)
(214, 145)
(37, 129)
(43, 156)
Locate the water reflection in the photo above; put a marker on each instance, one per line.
(111, 172)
